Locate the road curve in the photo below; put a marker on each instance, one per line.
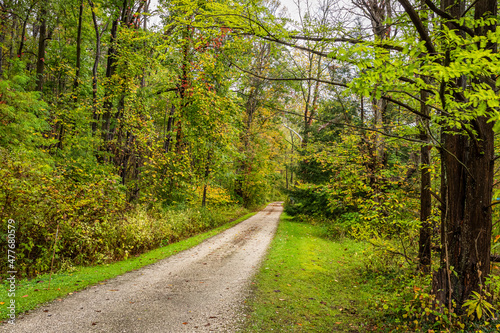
(199, 290)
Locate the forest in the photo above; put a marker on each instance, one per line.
(126, 125)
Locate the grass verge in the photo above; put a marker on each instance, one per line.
(311, 284)
(30, 293)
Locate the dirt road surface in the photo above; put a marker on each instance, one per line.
(199, 290)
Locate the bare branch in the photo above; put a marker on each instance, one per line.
(422, 31)
(291, 78)
(447, 16)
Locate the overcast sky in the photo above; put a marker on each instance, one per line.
(290, 5)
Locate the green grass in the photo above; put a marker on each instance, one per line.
(311, 284)
(34, 292)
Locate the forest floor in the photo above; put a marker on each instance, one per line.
(202, 289)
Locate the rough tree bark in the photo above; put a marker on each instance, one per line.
(424, 242)
(467, 183)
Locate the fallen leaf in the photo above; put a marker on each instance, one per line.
(25, 296)
(184, 323)
(2, 303)
(277, 291)
(93, 324)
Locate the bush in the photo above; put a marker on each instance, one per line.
(92, 220)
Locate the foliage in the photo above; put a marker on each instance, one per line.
(110, 130)
(23, 116)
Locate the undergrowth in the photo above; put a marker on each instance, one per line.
(107, 238)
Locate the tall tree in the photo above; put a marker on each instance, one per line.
(42, 42)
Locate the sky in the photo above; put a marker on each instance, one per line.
(289, 4)
(291, 7)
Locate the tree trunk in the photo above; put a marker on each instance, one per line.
(168, 131)
(23, 33)
(207, 173)
(78, 47)
(40, 64)
(467, 184)
(110, 70)
(2, 39)
(95, 116)
(466, 222)
(424, 244)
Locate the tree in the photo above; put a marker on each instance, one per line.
(456, 65)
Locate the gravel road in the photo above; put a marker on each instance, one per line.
(199, 290)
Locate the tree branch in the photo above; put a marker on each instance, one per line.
(438, 198)
(409, 108)
(291, 78)
(447, 16)
(347, 40)
(422, 31)
(492, 204)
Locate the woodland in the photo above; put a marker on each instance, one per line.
(130, 124)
